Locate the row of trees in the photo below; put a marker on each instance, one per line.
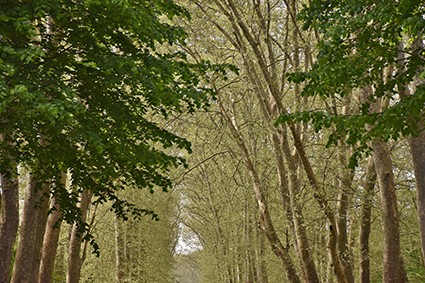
(83, 87)
(322, 129)
(307, 165)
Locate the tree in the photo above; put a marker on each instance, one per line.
(79, 87)
(264, 39)
(9, 221)
(374, 48)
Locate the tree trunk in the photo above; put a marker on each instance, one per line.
(334, 259)
(416, 143)
(28, 255)
(119, 252)
(417, 148)
(9, 221)
(50, 244)
(343, 249)
(304, 252)
(74, 259)
(365, 222)
(342, 237)
(393, 262)
(308, 266)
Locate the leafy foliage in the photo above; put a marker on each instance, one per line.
(80, 85)
(358, 41)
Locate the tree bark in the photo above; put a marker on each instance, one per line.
(417, 149)
(365, 222)
(74, 259)
(9, 221)
(50, 244)
(51, 239)
(28, 255)
(344, 185)
(393, 262)
(334, 260)
(342, 236)
(119, 252)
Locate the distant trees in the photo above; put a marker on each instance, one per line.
(134, 250)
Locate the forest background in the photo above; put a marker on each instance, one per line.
(212, 141)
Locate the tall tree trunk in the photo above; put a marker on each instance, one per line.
(304, 252)
(119, 251)
(308, 266)
(342, 236)
(9, 221)
(393, 262)
(330, 267)
(51, 239)
(393, 266)
(417, 148)
(344, 184)
(28, 255)
(334, 258)
(416, 143)
(344, 180)
(365, 222)
(289, 190)
(50, 244)
(74, 259)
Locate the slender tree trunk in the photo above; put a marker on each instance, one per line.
(417, 148)
(289, 188)
(393, 262)
(261, 262)
(307, 263)
(342, 238)
(335, 262)
(393, 266)
(246, 238)
(342, 246)
(119, 251)
(28, 255)
(308, 266)
(9, 221)
(50, 244)
(51, 239)
(251, 253)
(365, 222)
(344, 181)
(74, 259)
